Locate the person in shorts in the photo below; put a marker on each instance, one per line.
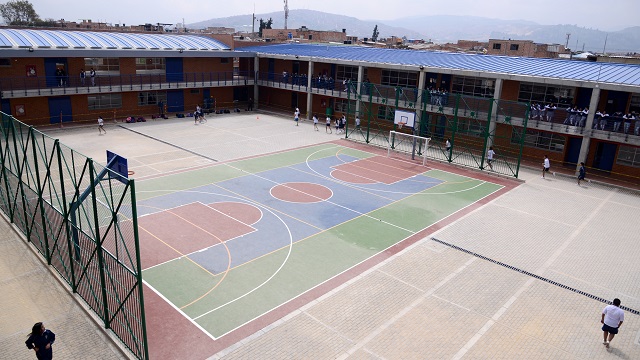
(101, 125)
(328, 128)
(490, 155)
(296, 116)
(546, 165)
(315, 122)
(612, 318)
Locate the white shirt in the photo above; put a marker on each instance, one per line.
(613, 315)
(490, 154)
(315, 119)
(100, 121)
(547, 164)
(357, 121)
(328, 120)
(296, 114)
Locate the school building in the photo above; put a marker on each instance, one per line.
(148, 74)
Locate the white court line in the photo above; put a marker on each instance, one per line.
(576, 232)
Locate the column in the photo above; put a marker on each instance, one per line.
(309, 91)
(497, 93)
(256, 71)
(421, 80)
(586, 137)
(359, 89)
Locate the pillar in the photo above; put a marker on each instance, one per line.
(421, 80)
(359, 89)
(309, 91)
(586, 137)
(256, 71)
(497, 93)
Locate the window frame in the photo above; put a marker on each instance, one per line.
(632, 153)
(104, 101)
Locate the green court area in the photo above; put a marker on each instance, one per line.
(304, 243)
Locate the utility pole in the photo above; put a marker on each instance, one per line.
(286, 13)
(605, 44)
(566, 44)
(253, 22)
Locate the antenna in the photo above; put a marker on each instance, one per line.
(566, 44)
(286, 13)
(605, 44)
(253, 22)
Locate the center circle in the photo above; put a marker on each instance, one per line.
(301, 192)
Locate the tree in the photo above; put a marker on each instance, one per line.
(19, 12)
(374, 37)
(264, 25)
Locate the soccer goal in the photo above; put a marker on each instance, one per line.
(407, 146)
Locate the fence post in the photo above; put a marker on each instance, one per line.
(65, 217)
(454, 130)
(5, 163)
(487, 133)
(40, 189)
(134, 215)
(20, 182)
(98, 242)
(525, 122)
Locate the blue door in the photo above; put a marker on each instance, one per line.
(50, 67)
(174, 70)
(271, 69)
(175, 101)
(572, 153)
(60, 105)
(605, 156)
(6, 106)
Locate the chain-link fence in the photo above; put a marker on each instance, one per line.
(82, 218)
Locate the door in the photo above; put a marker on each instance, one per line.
(605, 156)
(573, 152)
(175, 101)
(6, 106)
(174, 69)
(294, 99)
(60, 106)
(51, 68)
(271, 69)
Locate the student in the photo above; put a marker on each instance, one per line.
(328, 127)
(581, 173)
(490, 155)
(83, 75)
(546, 165)
(41, 340)
(612, 319)
(315, 122)
(101, 125)
(92, 75)
(447, 145)
(296, 116)
(358, 123)
(197, 115)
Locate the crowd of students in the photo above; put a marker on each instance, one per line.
(617, 122)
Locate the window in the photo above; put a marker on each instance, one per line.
(473, 86)
(105, 101)
(347, 72)
(385, 112)
(471, 127)
(628, 155)
(341, 105)
(399, 78)
(545, 94)
(150, 66)
(194, 91)
(541, 140)
(5, 62)
(634, 106)
(151, 98)
(497, 46)
(102, 66)
(514, 47)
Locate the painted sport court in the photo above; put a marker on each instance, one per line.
(234, 246)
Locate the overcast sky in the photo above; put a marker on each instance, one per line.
(597, 14)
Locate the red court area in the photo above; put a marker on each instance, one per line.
(170, 234)
(301, 192)
(377, 169)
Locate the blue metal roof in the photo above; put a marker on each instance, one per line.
(623, 74)
(62, 39)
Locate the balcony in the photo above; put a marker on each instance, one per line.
(23, 87)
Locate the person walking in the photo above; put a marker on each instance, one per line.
(41, 340)
(581, 173)
(250, 104)
(101, 125)
(296, 116)
(546, 165)
(490, 155)
(447, 145)
(612, 319)
(328, 127)
(315, 122)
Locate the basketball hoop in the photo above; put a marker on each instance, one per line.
(401, 124)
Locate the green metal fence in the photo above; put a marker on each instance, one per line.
(471, 124)
(82, 218)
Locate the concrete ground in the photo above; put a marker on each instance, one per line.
(434, 300)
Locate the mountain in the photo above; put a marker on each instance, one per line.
(314, 20)
(446, 28)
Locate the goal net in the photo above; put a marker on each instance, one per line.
(407, 146)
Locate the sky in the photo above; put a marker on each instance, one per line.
(605, 15)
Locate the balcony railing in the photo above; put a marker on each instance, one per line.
(56, 85)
